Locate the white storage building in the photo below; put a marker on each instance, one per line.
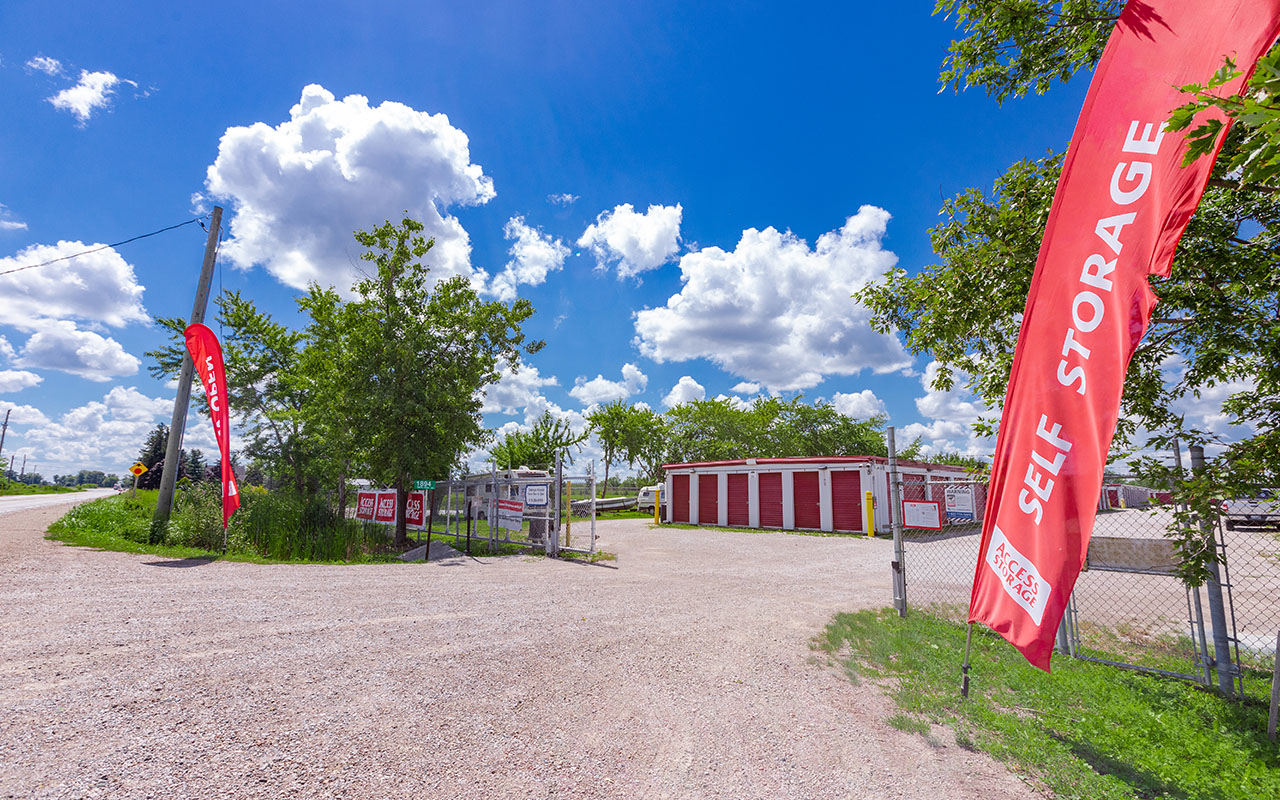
(821, 494)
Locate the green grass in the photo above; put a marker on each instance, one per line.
(1084, 731)
(15, 488)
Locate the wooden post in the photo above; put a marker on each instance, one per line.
(134, 491)
(173, 449)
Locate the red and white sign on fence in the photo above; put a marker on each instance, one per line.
(922, 514)
(365, 504)
(510, 514)
(415, 510)
(386, 510)
(1121, 206)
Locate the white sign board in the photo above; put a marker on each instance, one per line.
(510, 514)
(535, 494)
(960, 502)
(922, 514)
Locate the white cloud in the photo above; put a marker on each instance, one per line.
(102, 434)
(22, 415)
(15, 380)
(686, 389)
(60, 345)
(7, 224)
(859, 405)
(99, 287)
(634, 242)
(562, 199)
(534, 254)
(746, 388)
(92, 92)
(300, 188)
(514, 390)
(952, 414)
(6, 349)
(49, 66)
(735, 401)
(775, 311)
(602, 390)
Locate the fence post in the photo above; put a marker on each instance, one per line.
(1217, 610)
(1275, 694)
(895, 514)
(553, 530)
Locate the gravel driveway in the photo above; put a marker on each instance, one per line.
(683, 673)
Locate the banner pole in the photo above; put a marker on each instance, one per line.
(964, 668)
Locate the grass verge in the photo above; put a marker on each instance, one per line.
(1084, 731)
(14, 488)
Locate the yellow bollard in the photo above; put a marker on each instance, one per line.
(869, 510)
(657, 501)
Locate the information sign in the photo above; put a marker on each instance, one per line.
(365, 502)
(414, 508)
(535, 494)
(424, 484)
(386, 510)
(922, 514)
(510, 514)
(960, 502)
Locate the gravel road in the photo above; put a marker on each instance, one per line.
(684, 672)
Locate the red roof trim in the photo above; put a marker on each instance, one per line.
(742, 462)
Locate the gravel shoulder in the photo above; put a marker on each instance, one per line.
(684, 672)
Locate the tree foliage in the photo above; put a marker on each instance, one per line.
(538, 447)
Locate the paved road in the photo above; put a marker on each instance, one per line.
(22, 502)
(686, 672)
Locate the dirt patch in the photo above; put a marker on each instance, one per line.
(684, 673)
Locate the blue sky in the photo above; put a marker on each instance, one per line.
(735, 171)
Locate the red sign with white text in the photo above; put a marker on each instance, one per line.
(386, 509)
(206, 357)
(365, 504)
(1121, 206)
(414, 510)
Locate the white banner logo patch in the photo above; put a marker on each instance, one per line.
(1018, 576)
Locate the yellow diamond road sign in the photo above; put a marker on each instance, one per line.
(137, 469)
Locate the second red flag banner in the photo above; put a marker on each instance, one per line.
(1122, 203)
(206, 355)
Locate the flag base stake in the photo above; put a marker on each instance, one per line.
(964, 668)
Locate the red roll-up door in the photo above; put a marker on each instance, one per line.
(770, 499)
(846, 501)
(708, 495)
(807, 498)
(679, 498)
(739, 499)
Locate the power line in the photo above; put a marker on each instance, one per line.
(104, 247)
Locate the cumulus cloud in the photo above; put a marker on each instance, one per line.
(7, 223)
(99, 287)
(15, 380)
(562, 199)
(514, 390)
(746, 387)
(635, 243)
(777, 312)
(49, 66)
(685, 390)
(299, 188)
(859, 405)
(92, 92)
(103, 434)
(6, 349)
(60, 345)
(22, 415)
(951, 416)
(533, 255)
(602, 390)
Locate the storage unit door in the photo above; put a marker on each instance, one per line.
(739, 499)
(679, 498)
(770, 499)
(807, 499)
(846, 501)
(708, 494)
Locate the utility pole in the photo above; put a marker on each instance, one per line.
(899, 555)
(23, 474)
(3, 430)
(173, 449)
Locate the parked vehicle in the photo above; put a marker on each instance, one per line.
(644, 500)
(1260, 510)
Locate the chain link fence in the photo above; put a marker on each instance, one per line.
(1129, 607)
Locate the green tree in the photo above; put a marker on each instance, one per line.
(538, 446)
(415, 357)
(609, 425)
